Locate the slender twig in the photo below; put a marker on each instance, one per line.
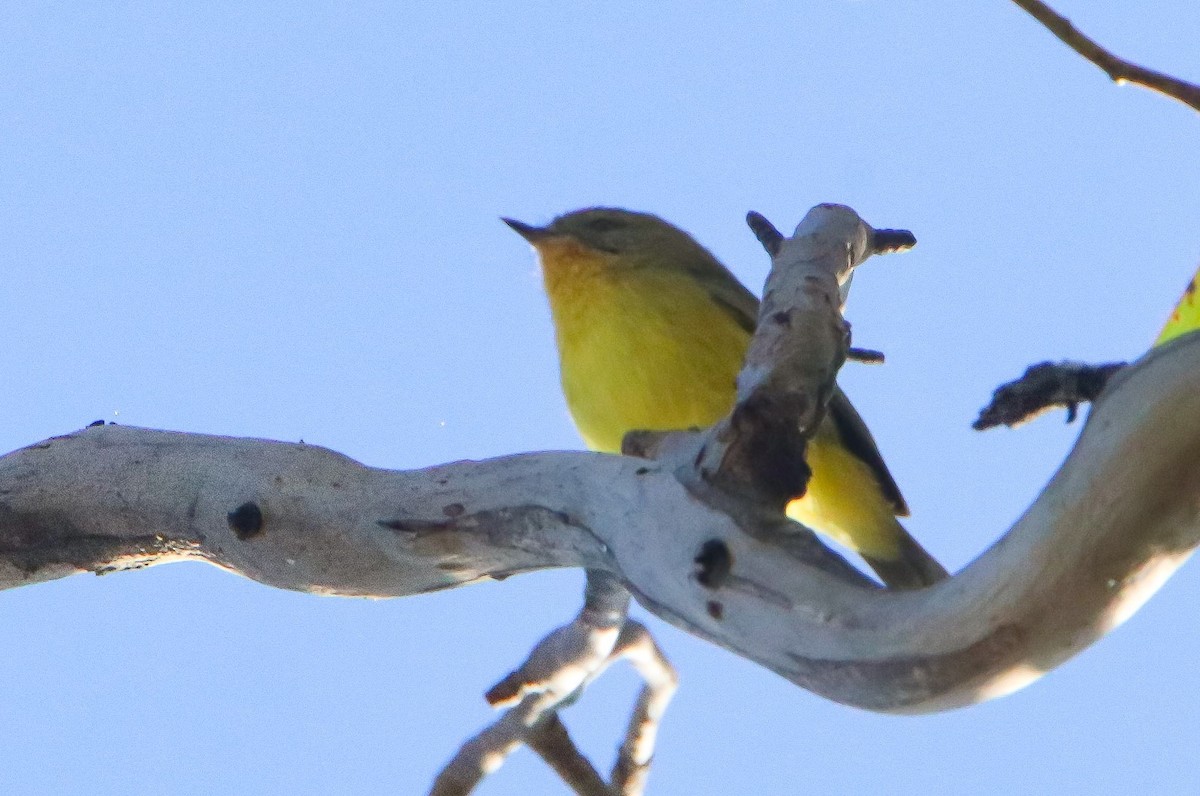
(633, 760)
(554, 676)
(535, 721)
(550, 739)
(1118, 69)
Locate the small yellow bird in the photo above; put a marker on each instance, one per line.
(651, 333)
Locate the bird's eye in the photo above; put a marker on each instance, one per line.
(603, 225)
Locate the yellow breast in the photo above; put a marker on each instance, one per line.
(639, 348)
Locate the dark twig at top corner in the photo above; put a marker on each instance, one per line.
(1118, 69)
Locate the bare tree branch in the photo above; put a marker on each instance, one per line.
(1118, 69)
(1118, 518)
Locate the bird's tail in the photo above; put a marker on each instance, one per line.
(912, 568)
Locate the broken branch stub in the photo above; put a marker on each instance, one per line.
(800, 343)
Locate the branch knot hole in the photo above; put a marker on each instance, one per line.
(714, 563)
(246, 520)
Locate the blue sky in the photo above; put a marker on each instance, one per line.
(281, 221)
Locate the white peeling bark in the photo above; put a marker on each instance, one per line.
(1112, 525)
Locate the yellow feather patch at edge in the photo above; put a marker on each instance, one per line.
(1186, 317)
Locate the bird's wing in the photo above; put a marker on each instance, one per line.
(732, 296)
(728, 293)
(858, 440)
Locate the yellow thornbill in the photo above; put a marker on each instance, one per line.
(651, 333)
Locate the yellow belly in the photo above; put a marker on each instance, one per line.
(652, 355)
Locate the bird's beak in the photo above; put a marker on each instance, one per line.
(530, 233)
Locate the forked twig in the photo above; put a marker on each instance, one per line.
(553, 676)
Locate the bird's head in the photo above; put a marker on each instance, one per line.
(610, 237)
